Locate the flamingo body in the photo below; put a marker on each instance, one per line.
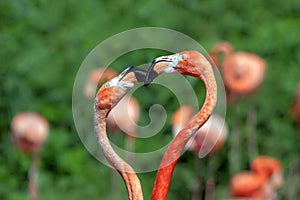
(29, 131)
(248, 185)
(125, 115)
(268, 168)
(242, 72)
(261, 182)
(209, 138)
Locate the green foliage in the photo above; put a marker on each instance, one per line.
(44, 42)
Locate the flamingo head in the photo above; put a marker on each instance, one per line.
(186, 63)
(112, 91)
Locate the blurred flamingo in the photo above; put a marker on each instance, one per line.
(29, 131)
(261, 182)
(125, 115)
(194, 64)
(248, 184)
(207, 140)
(270, 169)
(243, 73)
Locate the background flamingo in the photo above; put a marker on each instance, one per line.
(243, 73)
(29, 131)
(261, 182)
(208, 140)
(269, 169)
(248, 184)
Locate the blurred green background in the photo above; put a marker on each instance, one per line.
(44, 42)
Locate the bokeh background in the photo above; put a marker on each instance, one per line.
(44, 42)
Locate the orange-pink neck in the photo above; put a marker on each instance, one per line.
(202, 70)
(130, 178)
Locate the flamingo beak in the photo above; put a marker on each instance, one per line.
(163, 64)
(138, 73)
(127, 78)
(151, 74)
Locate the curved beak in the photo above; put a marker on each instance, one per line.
(163, 64)
(151, 74)
(138, 73)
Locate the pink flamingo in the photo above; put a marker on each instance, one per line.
(243, 73)
(194, 64)
(261, 182)
(106, 99)
(29, 131)
(248, 184)
(269, 169)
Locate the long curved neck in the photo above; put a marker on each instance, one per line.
(130, 178)
(222, 48)
(171, 156)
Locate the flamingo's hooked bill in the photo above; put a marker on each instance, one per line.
(140, 77)
(151, 73)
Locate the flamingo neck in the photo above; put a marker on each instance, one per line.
(130, 178)
(171, 156)
(222, 48)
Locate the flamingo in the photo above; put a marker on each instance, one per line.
(243, 72)
(194, 64)
(208, 139)
(29, 131)
(261, 182)
(269, 169)
(106, 99)
(248, 184)
(125, 115)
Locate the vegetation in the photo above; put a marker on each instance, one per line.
(44, 42)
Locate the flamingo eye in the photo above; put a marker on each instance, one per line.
(113, 82)
(184, 56)
(107, 85)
